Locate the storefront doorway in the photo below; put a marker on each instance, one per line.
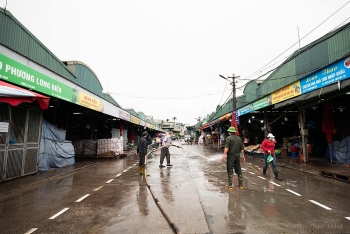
(19, 140)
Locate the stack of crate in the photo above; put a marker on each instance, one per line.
(89, 147)
(284, 150)
(107, 147)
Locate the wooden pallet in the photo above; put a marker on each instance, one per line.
(339, 174)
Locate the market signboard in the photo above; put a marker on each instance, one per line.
(329, 75)
(124, 115)
(246, 109)
(19, 74)
(225, 117)
(286, 92)
(134, 120)
(87, 101)
(262, 102)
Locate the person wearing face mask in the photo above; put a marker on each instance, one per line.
(268, 145)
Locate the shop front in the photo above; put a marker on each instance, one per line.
(214, 131)
(20, 125)
(84, 118)
(305, 115)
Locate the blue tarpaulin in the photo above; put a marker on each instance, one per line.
(55, 151)
(340, 151)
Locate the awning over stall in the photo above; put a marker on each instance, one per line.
(14, 95)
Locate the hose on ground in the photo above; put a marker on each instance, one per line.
(170, 221)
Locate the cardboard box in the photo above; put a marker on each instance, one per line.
(284, 152)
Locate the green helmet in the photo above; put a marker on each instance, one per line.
(231, 129)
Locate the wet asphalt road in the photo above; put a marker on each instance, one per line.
(112, 198)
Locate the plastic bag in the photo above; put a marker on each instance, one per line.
(269, 158)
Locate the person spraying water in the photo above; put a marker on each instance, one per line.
(233, 147)
(167, 141)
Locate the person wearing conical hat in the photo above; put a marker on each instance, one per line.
(233, 147)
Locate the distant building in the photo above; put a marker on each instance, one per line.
(177, 127)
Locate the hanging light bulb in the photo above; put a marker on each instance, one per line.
(286, 119)
(261, 121)
(341, 109)
(253, 117)
(249, 121)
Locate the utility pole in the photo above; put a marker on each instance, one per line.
(198, 119)
(234, 99)
(195, 133)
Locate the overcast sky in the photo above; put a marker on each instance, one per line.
(164, 57)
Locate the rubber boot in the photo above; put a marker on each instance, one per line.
(264, 172)
(240, 181)
(229, 186)
(144, 171)
(276, 175)
(141, 169)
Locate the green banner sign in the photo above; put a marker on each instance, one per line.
(19, 74)
(263, 102)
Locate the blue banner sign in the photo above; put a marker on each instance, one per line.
(237, 117)
(327, 76)
(245, 110)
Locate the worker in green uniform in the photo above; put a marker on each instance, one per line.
(233, 147)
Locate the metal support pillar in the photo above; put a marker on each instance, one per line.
(303, 133)
(265, 123)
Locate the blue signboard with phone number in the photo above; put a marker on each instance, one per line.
(327, 76)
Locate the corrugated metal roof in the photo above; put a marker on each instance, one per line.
(312, 57)
(19, 39)
(16, 37)
(132, 111)
(141, 115)
(86, 77)
(109, 98)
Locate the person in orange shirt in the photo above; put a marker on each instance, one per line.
(268, 145)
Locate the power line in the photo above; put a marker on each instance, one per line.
(341, 24)
(277, 78)
(179, 94)
(223, 92)
(259, 70)
(221, 106)
(240, 88)
(165, 98)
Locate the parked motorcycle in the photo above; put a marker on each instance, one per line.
(129, 145)
(154, 145)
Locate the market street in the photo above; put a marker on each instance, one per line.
(110, 197)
